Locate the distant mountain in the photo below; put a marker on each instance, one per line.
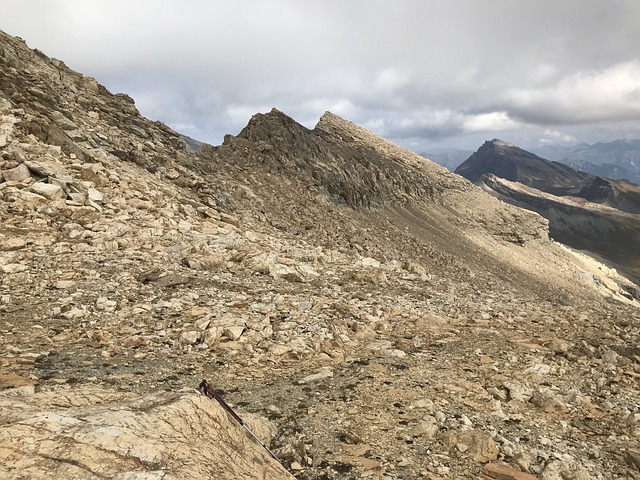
(608, 170)
(585, 211)
(449, 160)
(618, 159)
(619, 152)
(192, 145)
(552, 152)
(517, 165)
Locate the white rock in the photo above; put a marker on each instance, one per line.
(190, 337)
(52, 192)
(234, 333)
(73, 313)
(13, 268)
(370, 262)
(94, 196)
(278, 349)
(106, 305)
(322, 374)
(32, 198)
(184, 227)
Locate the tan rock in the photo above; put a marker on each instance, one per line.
(477, 444)
(94, 196)
(503, 471)
(18, 174)
(191, 337)
(549, 401)
(32, 198)
(234, 332)
(427, 428)
(564, 470)
(44, 169)
(323, 374)
(13, 380)
(52, 192)
(13, 243)
(558, 345)
(73, 433)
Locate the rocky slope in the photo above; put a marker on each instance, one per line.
(606, 232)
(390, 319)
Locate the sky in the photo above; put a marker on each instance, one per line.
(429, 75)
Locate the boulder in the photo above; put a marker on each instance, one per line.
(47, 190)
(503, 471)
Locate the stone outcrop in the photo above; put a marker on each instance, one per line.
(102, 433)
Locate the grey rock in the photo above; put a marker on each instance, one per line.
(17, 174)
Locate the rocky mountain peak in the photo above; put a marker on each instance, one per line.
(497, 143)
(274, 126)
(517, 165)
(330, 122)
(501, 147)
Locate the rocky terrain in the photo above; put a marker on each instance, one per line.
(368, 313)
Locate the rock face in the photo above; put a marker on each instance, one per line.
(507, 161)
(103, 433)
(390, 319)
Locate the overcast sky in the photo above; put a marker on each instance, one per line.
(425, 74)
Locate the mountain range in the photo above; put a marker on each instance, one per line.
(362, 311)
(588, 212)
(619, 159)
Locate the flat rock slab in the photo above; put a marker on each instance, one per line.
(90, 432)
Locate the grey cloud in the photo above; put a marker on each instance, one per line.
(414, 71)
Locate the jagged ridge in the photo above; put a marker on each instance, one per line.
(354, 165)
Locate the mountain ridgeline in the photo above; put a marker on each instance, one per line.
(617, 159)
(517, 165)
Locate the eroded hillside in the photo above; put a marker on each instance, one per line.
(390, 319)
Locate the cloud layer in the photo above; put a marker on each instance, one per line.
(423, 74)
